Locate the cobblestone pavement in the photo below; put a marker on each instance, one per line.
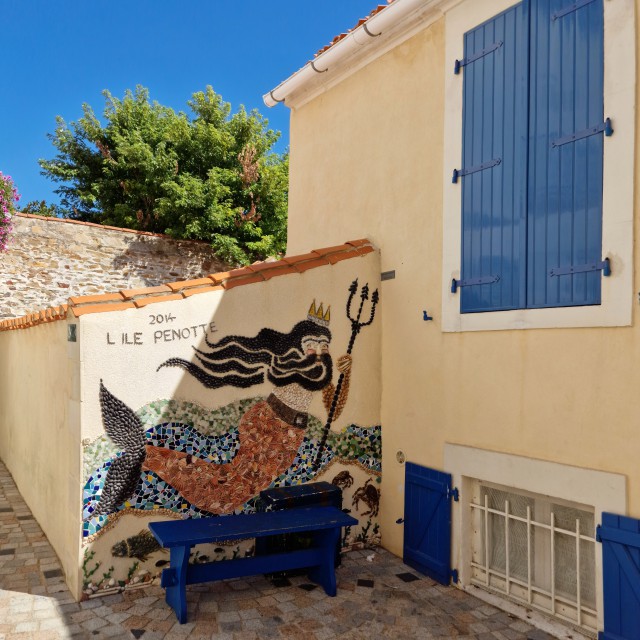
(382, 598)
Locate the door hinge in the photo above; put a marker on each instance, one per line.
(454, 576)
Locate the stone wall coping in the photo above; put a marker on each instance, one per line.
(105, 227)
(136, 298)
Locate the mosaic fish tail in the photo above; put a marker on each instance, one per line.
(125, 429)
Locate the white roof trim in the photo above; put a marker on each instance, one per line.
(386, 29)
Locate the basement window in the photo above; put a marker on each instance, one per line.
(536, 550)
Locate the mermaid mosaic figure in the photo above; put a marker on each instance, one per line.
(270, 432)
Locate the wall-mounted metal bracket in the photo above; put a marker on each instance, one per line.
(72, 333)
(426, 316)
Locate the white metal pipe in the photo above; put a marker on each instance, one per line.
(364, 35)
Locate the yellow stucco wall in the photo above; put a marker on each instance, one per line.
(366, 161)
(40, 431)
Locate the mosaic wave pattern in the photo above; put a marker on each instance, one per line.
(176, 430)
(185, 438)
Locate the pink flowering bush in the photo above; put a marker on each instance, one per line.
(8, 197)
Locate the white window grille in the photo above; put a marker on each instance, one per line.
(535, 550)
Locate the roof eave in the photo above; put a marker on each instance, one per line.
(394, 23)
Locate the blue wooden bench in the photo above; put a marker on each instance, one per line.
(324, 523)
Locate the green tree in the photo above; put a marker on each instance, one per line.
(40, 208)
(208, 175)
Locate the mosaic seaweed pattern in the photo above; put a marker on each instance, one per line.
(205, 420)
(352, 444)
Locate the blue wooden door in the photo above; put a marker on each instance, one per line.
(427, 522)
(620, 537)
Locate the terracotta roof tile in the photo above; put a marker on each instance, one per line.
(188, 284)
(194, 292)
(358, 243)
(264, 266)
(362, 251)
(341, 36)
(231, 283)
(327, 250)
(301, 258)
(243, 271)
(103, 297)
(301, 267)
(143, 302)
(345, 255)
(282, 269)
(101, 308)
(218, 278)
(127, 294)
(50, 314)
(140, 298)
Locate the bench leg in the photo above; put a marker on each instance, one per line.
(325, 574)
(174, 580)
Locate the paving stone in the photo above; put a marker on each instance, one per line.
(377, 600)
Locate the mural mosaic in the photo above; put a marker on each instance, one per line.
(179, 459)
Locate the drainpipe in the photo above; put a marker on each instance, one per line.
(366, 33)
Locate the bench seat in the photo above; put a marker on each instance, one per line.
(324, 523)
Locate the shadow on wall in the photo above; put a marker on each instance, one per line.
(151, 261)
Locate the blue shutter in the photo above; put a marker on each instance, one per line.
(565, 181)
(427, 522)
(620, 537)
(494, 198)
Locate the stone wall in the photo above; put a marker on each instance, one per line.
(50, 260)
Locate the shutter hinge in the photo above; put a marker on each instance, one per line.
(458, 173)
(604, 266)
(475, 56)
(605, 126)
(470, 282)
(571, 8)
(454, 576)
(598, 538)
(452, 492)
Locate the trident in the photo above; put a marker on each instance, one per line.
(356, 326)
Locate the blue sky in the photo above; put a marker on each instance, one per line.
(57, 55)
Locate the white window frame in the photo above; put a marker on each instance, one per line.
(618, 178)
(601, 490)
